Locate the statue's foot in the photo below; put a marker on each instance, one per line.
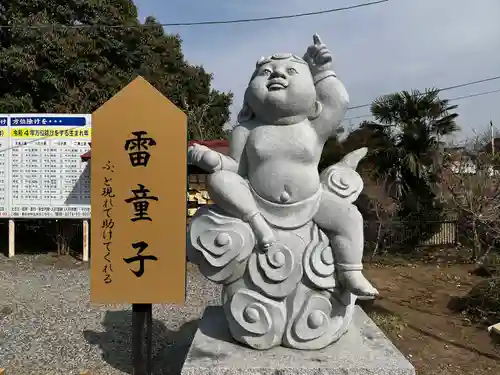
(358, 285)
(263, 232)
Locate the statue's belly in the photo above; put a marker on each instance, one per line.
(284, 181)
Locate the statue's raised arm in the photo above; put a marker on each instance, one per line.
(286, 242)
(332, 97)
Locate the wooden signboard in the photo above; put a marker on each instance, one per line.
(138, 201)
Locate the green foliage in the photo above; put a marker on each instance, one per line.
(332, 153)
(364, 136)
(404, 153)
(482, 303)
(413, 123)
(56, 69)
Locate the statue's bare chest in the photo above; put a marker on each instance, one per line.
(297, 142)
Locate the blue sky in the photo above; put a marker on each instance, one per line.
(400, 44)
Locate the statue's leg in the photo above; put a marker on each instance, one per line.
(232, 194)
(343, 224)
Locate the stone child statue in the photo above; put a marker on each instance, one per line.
(291, 107)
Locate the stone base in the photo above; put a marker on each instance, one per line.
(363, 350)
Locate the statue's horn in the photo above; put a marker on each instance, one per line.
(353, 158)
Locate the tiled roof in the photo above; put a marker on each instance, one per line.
(218, 145)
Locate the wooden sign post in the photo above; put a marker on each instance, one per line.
(138, 228)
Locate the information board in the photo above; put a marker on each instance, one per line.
(4, 165)
(41, 171)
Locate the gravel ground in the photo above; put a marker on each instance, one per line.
(49, 327)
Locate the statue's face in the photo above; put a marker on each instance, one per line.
(282, 88)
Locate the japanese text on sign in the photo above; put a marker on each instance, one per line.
(41, 171)
(138, 227)
(138, 148)
(107, 223)
(141, 197)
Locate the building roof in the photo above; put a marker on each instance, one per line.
(219, 145)
(496, 145)
(87, 155)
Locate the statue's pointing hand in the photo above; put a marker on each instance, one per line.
(317, 55)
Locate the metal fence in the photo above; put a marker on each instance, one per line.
(395, 233)
(400, 234)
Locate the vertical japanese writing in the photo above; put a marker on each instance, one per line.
(107, 222)
(140, 247)
(139, 155)
(138, 147)
(140, 202)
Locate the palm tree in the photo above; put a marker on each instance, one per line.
(415, 123)
(409, 160)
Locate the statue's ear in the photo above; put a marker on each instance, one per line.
(353, 158)
(315, 110)
(246, 114)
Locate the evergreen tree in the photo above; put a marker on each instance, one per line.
(66, 69)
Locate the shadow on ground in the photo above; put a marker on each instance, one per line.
(495, 339)
(169, 347)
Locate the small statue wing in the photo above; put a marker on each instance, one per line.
(353, 158)
(342, 179)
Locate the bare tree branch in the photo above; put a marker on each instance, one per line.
(471, 186)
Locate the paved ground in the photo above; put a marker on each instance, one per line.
(49, 327)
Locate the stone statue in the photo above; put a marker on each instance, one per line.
(286, 242)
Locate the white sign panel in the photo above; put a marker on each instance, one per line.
(4, 165)
(44, 176)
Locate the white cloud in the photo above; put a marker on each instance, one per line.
(400, 44)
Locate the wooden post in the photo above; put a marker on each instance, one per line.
(492, 138)
(141, 334)
(12, 239)
(85, 255)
